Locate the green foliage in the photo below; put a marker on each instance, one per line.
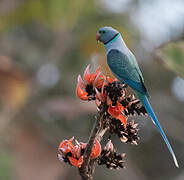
(62, 13)
(5, 166)
(173, 56)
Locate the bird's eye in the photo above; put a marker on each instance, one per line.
(102, 32)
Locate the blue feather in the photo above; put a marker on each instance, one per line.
(138, 86)
(150, 111)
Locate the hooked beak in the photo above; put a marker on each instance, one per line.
(98, 36)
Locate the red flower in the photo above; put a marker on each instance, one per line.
(66, 146)
(76, 162)
(85, 88)
(117, 112)
(73, 154)
(83, 95)
(100, 88)
(101, 96)
(110, 80)
(96, 150)
(94, 79)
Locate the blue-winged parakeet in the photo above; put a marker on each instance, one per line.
(124, 66)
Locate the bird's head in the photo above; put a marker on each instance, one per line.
(106, 34)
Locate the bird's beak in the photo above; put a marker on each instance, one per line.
(98, 37)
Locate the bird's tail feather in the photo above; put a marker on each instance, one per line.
(150, 111)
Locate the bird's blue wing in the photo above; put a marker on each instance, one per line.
(125, 68)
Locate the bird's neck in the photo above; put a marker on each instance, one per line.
(117, 43)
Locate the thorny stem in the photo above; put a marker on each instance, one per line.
(88, 167)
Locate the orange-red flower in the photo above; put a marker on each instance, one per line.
(117, 112)
(100, 88)
(96, 150)
(110, 80)
(95, 79)
(81, 93)
(73, 154)
(101, 95)
(66, 146)
(76, 162)
(86, 88)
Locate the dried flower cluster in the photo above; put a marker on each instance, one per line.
(127, 134)
(111, 98)
(110, 158)
(133, 106)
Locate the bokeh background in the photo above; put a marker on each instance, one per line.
(45, 44)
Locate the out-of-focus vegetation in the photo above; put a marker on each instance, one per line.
(44, 45)
(173, 56)
(5, 166)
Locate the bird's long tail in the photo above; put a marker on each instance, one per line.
(150, 111)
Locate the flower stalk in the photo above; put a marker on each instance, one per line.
(87, 168)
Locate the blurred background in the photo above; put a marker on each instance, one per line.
(45, 44)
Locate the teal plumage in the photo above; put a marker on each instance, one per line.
(126, 70)
(124, 66)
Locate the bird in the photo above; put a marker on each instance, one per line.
(125, 68)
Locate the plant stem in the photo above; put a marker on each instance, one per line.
(88, 167)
